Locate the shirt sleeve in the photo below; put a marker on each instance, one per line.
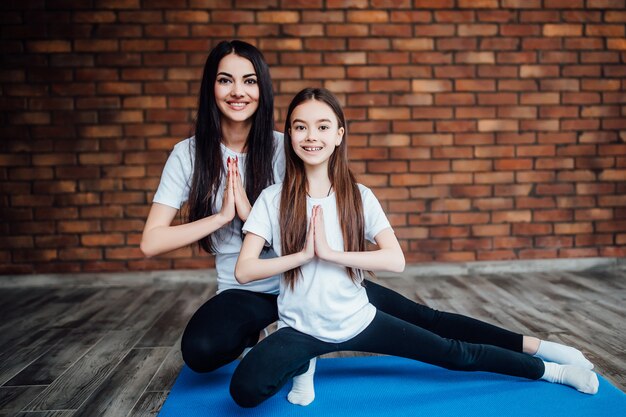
(259, 220)
(375, 219)
(173, 189)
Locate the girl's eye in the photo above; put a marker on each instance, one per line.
(299, 127)
(251, 81)
(223, 81)
(323, 127)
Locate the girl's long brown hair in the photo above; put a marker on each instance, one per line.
(293, 215)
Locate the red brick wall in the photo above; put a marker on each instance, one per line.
(490, 129)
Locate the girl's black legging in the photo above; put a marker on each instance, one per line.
(286, 353)
(231, 321)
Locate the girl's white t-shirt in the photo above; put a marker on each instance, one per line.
(173, 191)
(325, 302)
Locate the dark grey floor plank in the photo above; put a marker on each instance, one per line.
(149, 404)
(100, 310)
(118, 395)
(168, 328)
(49, 366)
(79, 382)
(25, 330)
(165, 377)
(13, 362)
(13, 399)
(144, 310)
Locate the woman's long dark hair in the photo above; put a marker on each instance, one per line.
(208, 169)
(293, 215)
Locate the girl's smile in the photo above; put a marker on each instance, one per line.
(315, 132)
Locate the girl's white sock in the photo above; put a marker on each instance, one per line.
(561, 354)
(582, 379)
(303, 391)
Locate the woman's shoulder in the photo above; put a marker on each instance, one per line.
(185, 147)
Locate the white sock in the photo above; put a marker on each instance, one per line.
(561, 354)
(245, 352)
(303, 391)
(583, 380)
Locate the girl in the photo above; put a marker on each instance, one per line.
(323, 306)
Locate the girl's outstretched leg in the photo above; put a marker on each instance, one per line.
(391, 336)
(467, 329)
(448, 325)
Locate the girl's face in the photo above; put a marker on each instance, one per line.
(236, 88)
(315, 132)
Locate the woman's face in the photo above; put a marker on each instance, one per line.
(315, 132)
(236, 88)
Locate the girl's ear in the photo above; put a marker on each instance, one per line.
(340, 132)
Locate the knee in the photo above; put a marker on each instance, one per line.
(463, 356)
(201, 355)
(244, 392)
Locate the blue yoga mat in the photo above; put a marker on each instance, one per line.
(390, 386)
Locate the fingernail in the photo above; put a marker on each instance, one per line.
(228, 160)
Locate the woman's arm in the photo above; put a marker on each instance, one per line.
(251, 268)
(388, 256)
(160, 237)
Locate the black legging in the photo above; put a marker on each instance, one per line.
(286, 353)
(231, 321)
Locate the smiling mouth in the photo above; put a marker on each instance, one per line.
(312, 148)
(236, 105)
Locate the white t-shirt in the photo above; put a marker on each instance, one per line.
(325, 302)
(173, 191)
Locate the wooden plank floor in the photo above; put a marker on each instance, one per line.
(113, 349)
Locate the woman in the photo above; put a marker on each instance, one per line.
(322, 305)
(220, 172)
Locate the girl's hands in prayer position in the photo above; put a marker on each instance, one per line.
(309, 246)
(322, 248)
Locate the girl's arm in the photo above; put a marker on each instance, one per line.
(251, 268)
(388, 256)
(160, 237)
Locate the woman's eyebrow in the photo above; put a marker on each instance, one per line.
(230, 75)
